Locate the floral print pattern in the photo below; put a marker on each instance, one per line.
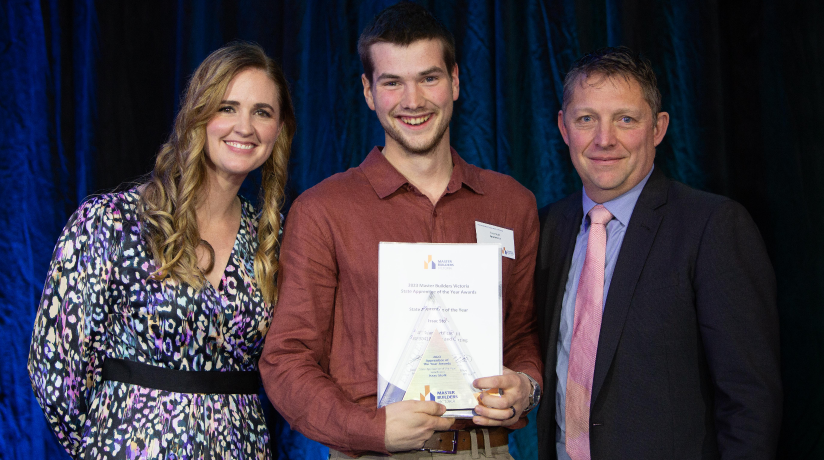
(99, 302)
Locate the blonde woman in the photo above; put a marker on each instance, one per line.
(158, 299)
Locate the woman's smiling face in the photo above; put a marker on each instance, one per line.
(242, 134)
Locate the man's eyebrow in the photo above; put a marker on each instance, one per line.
(432, 70)
(575, 110)
(634, 111)
(620, 110)
(387, 76)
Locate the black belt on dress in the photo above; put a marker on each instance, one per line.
(159, 378)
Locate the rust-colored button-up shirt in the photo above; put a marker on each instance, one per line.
(320, 361)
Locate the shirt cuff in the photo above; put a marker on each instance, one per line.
(367, 429)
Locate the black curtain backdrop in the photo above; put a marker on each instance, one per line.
(89, 89)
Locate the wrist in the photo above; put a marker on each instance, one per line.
(534, 395)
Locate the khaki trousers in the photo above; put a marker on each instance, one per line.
(487, 451)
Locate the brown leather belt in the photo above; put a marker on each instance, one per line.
(449, 442)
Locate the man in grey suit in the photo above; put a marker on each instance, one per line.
(685, 344)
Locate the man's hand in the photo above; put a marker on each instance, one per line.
(410, 423)
(498, 410)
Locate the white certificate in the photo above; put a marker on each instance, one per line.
(439, 322)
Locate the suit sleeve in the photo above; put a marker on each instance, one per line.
(736, 306)
(297, 343)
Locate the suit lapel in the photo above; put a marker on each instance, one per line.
(638, 240)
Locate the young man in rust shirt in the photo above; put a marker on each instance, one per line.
(319, 364)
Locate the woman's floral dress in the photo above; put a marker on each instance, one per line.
(99, 302)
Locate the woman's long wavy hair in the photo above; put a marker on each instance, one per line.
(170, 197)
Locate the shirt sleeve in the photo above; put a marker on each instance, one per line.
(521, 349)
(66, 351)
(294, 364)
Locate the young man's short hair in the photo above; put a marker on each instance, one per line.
(402, 24)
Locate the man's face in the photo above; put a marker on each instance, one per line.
(611, 133)
(412, 93)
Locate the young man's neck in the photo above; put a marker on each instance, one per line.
(428, 172)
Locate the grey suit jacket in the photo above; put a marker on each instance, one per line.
(688, 360)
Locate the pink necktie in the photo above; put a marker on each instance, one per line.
(587, 326)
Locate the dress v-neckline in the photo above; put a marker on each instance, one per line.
(219, 288)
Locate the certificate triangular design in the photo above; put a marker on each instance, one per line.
(434, 319)
(439, 378)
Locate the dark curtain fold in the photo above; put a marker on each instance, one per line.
(47, 69)
(90, 89)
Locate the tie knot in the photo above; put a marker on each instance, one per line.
(599, 215)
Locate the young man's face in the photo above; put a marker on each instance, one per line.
(412, 93)
(611, 133)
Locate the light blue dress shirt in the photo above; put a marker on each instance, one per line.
(621, 209)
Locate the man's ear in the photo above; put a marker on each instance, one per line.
(456, 87)
(660, 128)
(562, 127)
(367, 91)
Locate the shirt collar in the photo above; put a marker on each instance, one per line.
(386, 180)
(621, 207)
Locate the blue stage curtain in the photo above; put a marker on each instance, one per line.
(89, 90)
(47, 53)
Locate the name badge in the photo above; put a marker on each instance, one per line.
(485, 233)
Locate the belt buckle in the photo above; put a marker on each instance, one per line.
(454, 444)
